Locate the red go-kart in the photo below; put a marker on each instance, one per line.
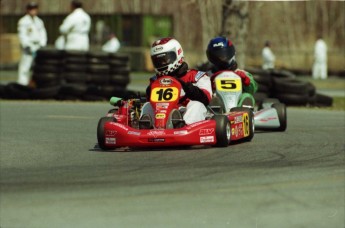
(123, 126)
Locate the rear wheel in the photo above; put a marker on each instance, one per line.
(223, 130)
(281, 110)
(100, 131)
(249, 126)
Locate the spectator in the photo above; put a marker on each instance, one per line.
(268, 57)
(60, 42)
(112, 45)
(32, 36)
(320, 59)
(76, 28)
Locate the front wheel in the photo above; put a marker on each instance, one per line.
(223, 130)
(100, 131)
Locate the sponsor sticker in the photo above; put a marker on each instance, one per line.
(238, 119)
(110, 141)
(165, 81)
(208, 131)
(199, 75)
(110, 132)
(156, 140)
(206, 139)
(133, 133)
(183, 132)
(156, 133)
(160, 115)
(162, 105)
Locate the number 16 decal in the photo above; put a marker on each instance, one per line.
(160, 94)
(246, 127)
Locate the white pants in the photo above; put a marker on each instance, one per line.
(78, 42)
(195, 111)
(320, 70)
(24, 67)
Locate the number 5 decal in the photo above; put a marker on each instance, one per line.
(228, 84)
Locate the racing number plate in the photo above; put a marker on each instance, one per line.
(228, 85)
(164, 94)
(246, 126)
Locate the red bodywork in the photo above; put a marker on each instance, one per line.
(165, 94)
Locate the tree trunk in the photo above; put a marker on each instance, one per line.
(235, 27)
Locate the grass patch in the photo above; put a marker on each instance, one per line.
(338, 103)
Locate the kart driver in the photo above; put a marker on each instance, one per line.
(221, 53)
(168, 60)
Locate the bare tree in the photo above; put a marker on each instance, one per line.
(235, 26)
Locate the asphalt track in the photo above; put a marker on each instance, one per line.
(52, 176)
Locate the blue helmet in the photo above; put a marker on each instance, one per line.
(221, 53)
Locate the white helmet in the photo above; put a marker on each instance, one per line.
(166, 55)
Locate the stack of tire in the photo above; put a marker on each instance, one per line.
(107, 75)
(74, 75)
(77, 75)
(46, 76)
(284, 85)
(47, 70)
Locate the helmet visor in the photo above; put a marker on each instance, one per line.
(220, 56)
(163, 59)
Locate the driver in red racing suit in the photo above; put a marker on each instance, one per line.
(168, 60)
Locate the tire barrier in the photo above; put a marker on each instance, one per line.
(285, 86)
(74, 75)
(282, 85)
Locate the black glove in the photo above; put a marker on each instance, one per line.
(194, 92)
(148, 92)
(27, 50)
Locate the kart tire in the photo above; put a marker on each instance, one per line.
(282, 74)
(223, 130)
(293, 99)
(263, 80)
(100, 132)
(320, 100)
(286, 85)
(282, 115)
(50, 92)
(249, 121)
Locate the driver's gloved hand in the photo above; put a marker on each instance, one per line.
(194, 92)
(245, 79)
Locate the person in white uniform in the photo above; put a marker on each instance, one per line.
(112, 45)
(76, 27)
(32, 36)
(268, 57)
(320, 59)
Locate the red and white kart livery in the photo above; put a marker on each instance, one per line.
(269, 115)
(121, 127)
